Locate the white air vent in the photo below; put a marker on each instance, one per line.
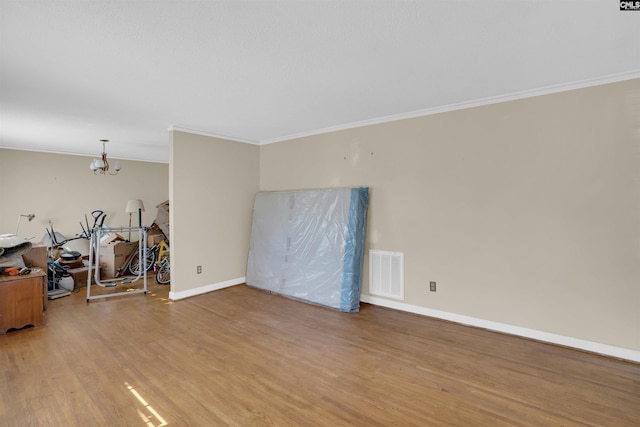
(386, 274)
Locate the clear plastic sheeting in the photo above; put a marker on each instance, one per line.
(308, 245)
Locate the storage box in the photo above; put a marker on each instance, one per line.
(36, 256)
(113, 255)
(80, 276)
(154, 237)
(110, 237)
(162, 217)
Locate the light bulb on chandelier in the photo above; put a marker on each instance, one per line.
(101, 165)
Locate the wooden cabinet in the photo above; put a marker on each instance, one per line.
(22, 300)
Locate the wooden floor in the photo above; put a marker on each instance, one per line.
(243, 357)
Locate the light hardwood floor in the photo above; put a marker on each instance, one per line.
(244, 357)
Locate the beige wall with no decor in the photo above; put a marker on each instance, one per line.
(525, 212)
(61, 188)
(212, 186)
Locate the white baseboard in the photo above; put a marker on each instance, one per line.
(174, 296)
(594, 347)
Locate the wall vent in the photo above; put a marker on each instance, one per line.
(386, 274)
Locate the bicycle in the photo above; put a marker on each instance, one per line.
(163, 265)
(157, 256)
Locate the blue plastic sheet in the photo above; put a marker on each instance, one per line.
(309, 245)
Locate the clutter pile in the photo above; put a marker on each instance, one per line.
(118, 256)
(162, 218)
(12, 248)
(66, 261)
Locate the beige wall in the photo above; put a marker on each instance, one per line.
(525, 213)
(61, 188)
(212, 186)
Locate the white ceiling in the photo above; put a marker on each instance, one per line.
(74, 72)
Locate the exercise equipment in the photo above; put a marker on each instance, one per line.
(94, 262)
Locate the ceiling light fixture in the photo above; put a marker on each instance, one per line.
(102, 165)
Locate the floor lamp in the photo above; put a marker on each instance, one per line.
(134, 205)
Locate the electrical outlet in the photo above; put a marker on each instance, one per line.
(432, 286)
(199, 269)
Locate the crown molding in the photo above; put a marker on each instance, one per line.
(547, 90)
(185, 129)
(67, 153)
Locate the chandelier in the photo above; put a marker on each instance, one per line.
(101, 166)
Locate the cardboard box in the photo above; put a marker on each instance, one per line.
(113, 255)
(162, 217)
(154, 237)
(37, 256)
(81, 276)
(110, 237)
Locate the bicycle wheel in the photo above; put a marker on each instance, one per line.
(135, 267)
(163, 275)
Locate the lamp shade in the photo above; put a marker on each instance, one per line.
(134, 205)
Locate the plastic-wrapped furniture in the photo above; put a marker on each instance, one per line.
(308, 245)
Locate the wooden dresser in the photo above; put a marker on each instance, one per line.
(22, 300)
